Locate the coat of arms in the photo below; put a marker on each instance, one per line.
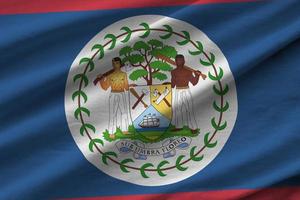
(140, 109)
(159, 101)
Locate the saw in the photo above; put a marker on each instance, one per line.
(161, 96)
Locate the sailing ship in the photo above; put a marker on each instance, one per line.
(149, 121)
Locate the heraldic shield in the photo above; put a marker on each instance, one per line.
(151, 109)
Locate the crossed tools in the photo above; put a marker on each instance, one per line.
(139, 97)
(160, 97)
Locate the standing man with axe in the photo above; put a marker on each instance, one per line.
(119, 115)
(183, 113)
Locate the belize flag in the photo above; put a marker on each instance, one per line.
(134, 100)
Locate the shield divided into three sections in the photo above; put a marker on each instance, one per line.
(151, 109)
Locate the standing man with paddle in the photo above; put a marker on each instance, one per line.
(183, 113)
(119, 115)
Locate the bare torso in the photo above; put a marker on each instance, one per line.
(181, 78)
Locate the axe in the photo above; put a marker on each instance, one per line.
(139, 98)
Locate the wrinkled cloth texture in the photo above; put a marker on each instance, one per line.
(38, 156)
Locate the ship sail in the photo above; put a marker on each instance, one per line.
(149, 121)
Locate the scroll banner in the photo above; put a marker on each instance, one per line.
(126, 146)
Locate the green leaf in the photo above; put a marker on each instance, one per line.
(92, 65)
(207, 142)
(205, 63)
(86, 127)
(147, 30)
(210, 61)
(155, 43)
(139, 73)
(143, 169)
(83, 77)
(113, 40)
(199, 46)
(84, 60)
(99, 48)
(221, 109)
(134, 59)
(159, 76)
(93, 143)
(178, 165)
(192, 154)
(128, 31)
(79, 94)
(76, 77)
(217, 77)
(125, 51)
(212, 58)
(215, 125)
(168, 51)
(141, 45)
(221, 92)
(160, 165)
(81, 109)
(89, 62)
(107, 155)
(160, 65)
(85, 80)
(186, 40)
(123, 163)
(194, 53)
(169, 34)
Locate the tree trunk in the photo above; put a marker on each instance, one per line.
(150, 78)
(149, 82)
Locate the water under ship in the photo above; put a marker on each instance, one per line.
(149, 121)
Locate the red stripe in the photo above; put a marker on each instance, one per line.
(44, 6)
(288, 193)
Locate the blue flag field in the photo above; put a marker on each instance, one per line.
(119, 100)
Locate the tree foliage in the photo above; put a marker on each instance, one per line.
(138, 73)
(160, 76)
(143, 56)
(160, 65)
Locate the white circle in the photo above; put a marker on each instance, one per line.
(203, 97)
